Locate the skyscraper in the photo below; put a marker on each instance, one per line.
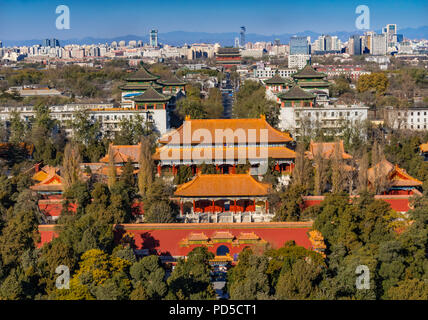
(378, 44)
(354, 45)
(46, 43)
(390, 30)
(299, 45)
(242, 35)
(1, 44)
(153, 38)
(54, 43)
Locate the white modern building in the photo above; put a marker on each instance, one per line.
(415, 118)
(107, 115)
(298, 60)
(331, 118)
(268, 72)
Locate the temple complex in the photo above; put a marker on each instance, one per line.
(224, 143)
(222, 198)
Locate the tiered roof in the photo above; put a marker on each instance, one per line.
(48, 180)
(277, 79)
(151, 95)
(308, 72)
(229, 185)
(143, 75)
(326, 149)
(211, 125)
(296, 93)
(226, 153)
(123, 152)
(172, 80)
(397, 176)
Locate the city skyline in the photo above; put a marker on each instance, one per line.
(25, 20)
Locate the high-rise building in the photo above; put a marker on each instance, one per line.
(1, 44)
(236, 42)
(354, 45)
(390, 30)
(299, 45)
(378, 44)
(242, 36)
(368, 37)
(46, 43)
(54, 43)
(153, 38)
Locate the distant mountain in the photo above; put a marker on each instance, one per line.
(178, 38)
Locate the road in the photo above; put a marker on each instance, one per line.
(227, 91)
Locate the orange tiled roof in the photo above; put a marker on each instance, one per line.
(53, 182)
(424, 147)
(211, 185)
(211, 125)
(397, 176)
(223, 235)
(326, 149)
(123, 152)
(40, 176)
(197, 237)
(202, 153)
(248, 236)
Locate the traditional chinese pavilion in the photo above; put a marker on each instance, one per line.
(296, 97)
(399, 181)
(151, 99)
(225, 143)
(311, 80)
(223, 198)
(49, 183)
(228, 57)
(143, 80)
(122, 153)
(277, 83)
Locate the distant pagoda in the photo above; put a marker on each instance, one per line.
(228, 57)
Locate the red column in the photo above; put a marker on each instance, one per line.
(254, 204)
(159, 169)
(212, 207)
(174, 169)
(234, 206)
(194, 206)
(267, 206)
(234, 170)
(181, 208)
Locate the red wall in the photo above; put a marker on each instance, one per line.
(163, 239)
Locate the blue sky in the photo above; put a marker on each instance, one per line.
(24, 20)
